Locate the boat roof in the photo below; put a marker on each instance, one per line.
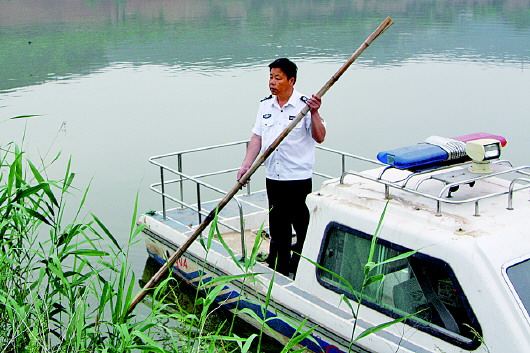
(473, 212)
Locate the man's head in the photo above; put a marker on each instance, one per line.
(282, 77)
(287, 66)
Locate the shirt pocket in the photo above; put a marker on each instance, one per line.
(267, 123)
(298, 131)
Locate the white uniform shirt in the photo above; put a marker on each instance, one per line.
(294, 158)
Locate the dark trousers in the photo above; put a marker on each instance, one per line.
(288, 210)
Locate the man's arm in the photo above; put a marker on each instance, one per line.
(318, 130)
(254, 147)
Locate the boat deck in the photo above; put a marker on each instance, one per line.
(186, 219)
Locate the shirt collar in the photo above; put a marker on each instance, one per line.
(295, 97)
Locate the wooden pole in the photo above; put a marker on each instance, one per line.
(159, 276)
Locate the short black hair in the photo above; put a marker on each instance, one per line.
(287, 66)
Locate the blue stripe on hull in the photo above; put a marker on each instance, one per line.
(274, 322)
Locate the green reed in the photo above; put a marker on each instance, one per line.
(59, 290)
(66, 285)
(66, 282)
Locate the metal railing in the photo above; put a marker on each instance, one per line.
(180, 177)
(196, 179)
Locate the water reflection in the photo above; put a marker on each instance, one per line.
(44, 40)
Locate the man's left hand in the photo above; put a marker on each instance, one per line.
(314, 103)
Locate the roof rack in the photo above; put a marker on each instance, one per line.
(451, 177)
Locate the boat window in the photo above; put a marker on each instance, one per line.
(418, 285)
(518, 275)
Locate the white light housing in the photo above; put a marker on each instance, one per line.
(481, 153)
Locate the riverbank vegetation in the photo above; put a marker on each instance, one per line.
(66, 284)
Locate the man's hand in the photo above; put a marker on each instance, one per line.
(241, 172)
(253, 149)
(314, 103)
(318, 130)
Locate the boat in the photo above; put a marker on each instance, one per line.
(434, 258)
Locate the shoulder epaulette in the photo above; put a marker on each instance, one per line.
(304, 99)
(264, 99)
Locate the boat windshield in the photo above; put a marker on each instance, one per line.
(518, 275)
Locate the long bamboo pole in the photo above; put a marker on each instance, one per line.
(157, 277)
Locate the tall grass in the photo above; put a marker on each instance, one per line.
(66, 285)
(59, 291)
(66, 281)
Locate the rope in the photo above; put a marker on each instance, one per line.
(455, 149)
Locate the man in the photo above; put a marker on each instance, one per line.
(290, 167)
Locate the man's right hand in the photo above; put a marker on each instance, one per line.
(242, 172)
(253, 150)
